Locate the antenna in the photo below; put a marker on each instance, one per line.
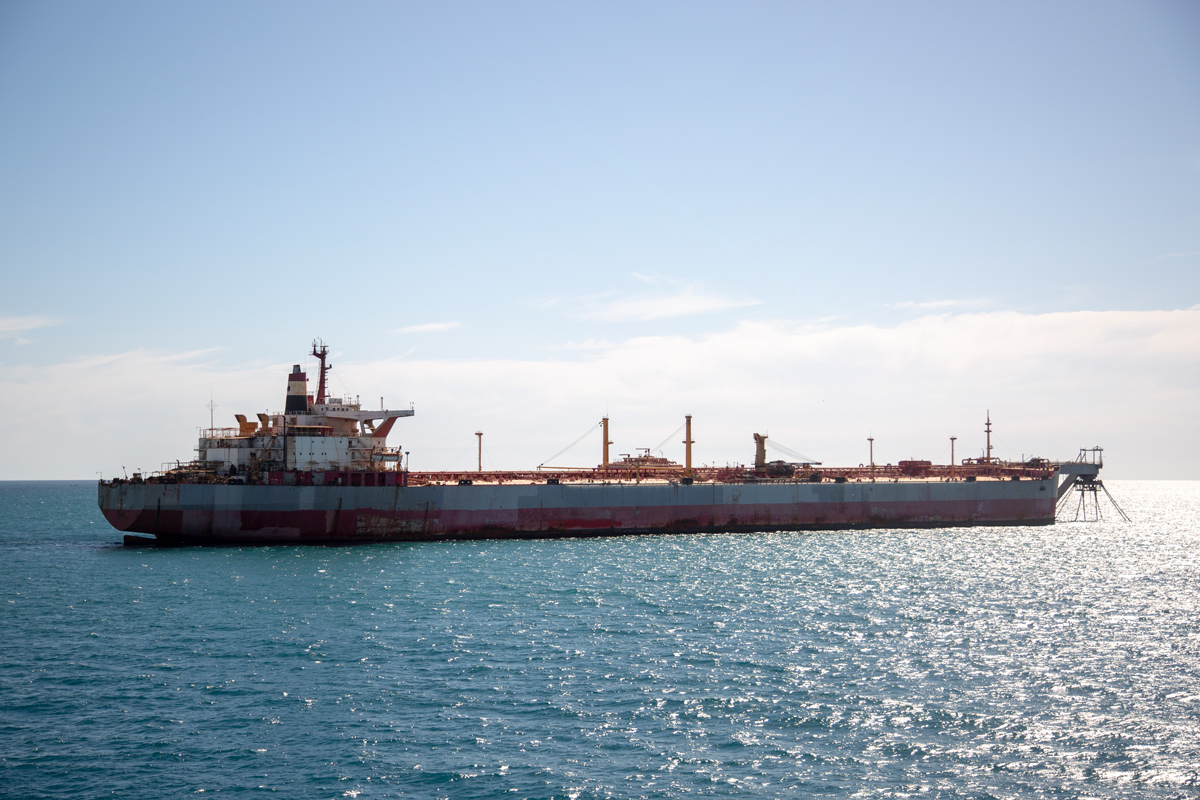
(211, 407)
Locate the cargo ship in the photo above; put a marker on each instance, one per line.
(321, 472)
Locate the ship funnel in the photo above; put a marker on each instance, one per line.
(245, 428)
(297, 392)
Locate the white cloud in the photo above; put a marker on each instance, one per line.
(140, 408)
(1053, 383)
(1127, 380)
(427, 327)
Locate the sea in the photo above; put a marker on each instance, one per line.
(1027, 662)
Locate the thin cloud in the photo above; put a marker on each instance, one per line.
(13, 327)
(686, 302)
(1179, 255)
(591, 345)
(427, 327)
(935, 305)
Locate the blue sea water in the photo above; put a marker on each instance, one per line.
(1058, 662)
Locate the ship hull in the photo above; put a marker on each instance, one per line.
(256, 514)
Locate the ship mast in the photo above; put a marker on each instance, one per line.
(320, 351)
(604, 433)
(988, 430)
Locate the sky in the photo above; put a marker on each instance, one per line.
(817, 221)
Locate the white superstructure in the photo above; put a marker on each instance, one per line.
(312, 434)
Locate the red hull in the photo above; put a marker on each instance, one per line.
(408, 514)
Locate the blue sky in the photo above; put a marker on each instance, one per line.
(521, 216)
